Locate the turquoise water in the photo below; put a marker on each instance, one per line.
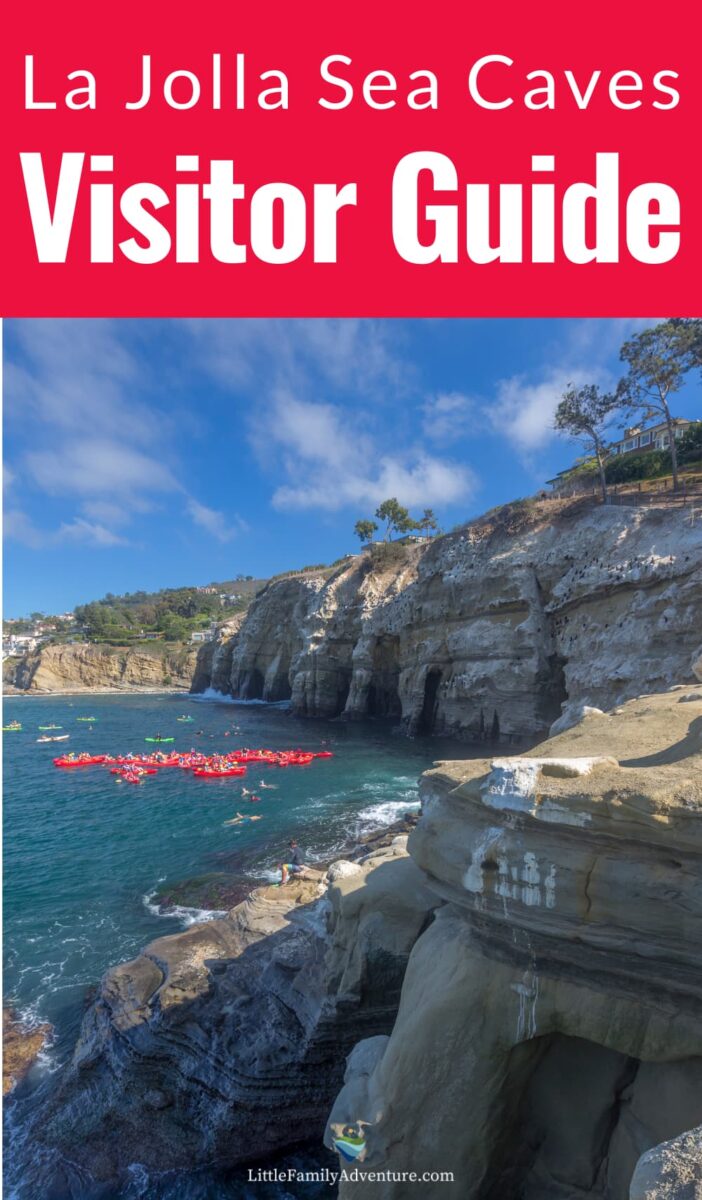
(84, 856)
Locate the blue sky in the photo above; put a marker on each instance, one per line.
(147, 454)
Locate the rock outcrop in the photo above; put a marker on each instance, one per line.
(213, 666)
(550, 1027)
(20, 1047)
(77, 666)
(226, 1043)
(486, 632)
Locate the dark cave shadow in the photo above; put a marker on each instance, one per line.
(685, 748)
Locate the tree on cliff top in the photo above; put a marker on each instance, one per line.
(658, 360)
(364, 530)
(396, 517)
(427, 523)
(584, 413)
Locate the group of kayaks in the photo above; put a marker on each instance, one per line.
(133, 767)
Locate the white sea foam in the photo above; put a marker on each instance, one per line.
(386, 813)
(182, 912)
(212, 696)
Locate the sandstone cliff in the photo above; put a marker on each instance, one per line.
(79, 666)
(485, 631)
(226, 1043)
(550, 1027)
(213, 665)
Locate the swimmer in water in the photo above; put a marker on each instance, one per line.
(271, 787)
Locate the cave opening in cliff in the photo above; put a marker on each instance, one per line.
(575, 1116)
(280, 688)
(383, 692)
(552, 689)
(427, 718)
(254, 685)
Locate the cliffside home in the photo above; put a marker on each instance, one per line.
(655, 437)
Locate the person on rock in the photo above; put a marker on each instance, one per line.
(295, 864)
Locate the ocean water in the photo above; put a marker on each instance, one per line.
(86, 856)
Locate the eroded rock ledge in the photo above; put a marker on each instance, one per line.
(226, 1043)
(480, 635)
(550, 1026)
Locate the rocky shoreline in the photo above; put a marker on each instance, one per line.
(514, 994)
(21, 1045)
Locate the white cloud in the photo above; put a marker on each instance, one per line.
(88, 532)
(214, 522)
(331, 462)
(449, 416)
(98, 467)
(523, 412)
(74, 388)
(523, 406)
(19, 527)
(353, 355)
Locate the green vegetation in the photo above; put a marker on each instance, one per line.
(364, 530)
(657, 361)
(397, 520)
(171, 614)
(584, 413)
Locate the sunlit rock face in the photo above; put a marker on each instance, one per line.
(484, 635)
(101, 668)
(550, 1025)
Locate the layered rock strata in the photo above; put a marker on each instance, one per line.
(550, 1027)
(483, 635)
(77, 667)
(225, 1043)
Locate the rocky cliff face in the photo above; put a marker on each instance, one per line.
(74, 667)
(485, 631)
(213, 665)
(550, 1027)
(226, 1043)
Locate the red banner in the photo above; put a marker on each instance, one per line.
(449, 160)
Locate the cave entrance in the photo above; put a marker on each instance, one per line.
(280, 688)
(576, 1116)
(383, 692)
(552, 689)
(427, 718)
(254, 685)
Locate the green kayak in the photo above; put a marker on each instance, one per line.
(51, 727)
(159, 739)
(86, 718)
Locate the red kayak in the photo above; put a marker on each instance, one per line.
(79, 762)
(203, 773)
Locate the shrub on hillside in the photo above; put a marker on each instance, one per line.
(384, 555)
(690, 444)
(627, 468)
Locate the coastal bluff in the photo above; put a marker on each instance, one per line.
(548, 1043)
(494, 631)
(513, 994)
(82, 667)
